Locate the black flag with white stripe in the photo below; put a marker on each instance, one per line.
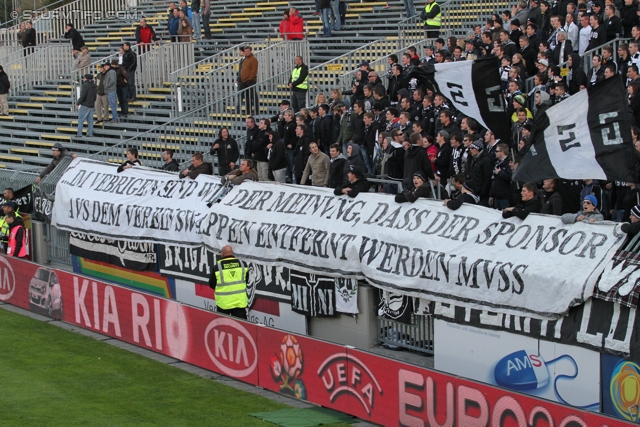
(587, 136)
(473, 87)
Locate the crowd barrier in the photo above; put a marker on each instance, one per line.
(359, 383)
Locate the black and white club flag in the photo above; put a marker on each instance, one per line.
(587, 136)
(474, 89)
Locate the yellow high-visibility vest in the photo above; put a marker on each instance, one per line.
(231, 287)
(295, 75)
(436, 21)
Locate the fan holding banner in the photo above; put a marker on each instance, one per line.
(587, 136)
(474, 89)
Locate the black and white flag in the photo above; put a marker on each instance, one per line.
(474, 89)
(587, 136)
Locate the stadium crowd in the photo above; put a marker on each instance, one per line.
(393, 129)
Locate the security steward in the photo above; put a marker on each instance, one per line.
(299, 84)
(229, 279)
(7, 207)
(17, 245)
(432, 16)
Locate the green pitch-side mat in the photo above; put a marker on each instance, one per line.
(304, 417)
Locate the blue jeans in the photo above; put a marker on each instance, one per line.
(411, 9)
(113, 104)
(85, 113)
(289, 153)
(500, 204)
(197, 29)
(335, 14)
(367, 160)
(326, 24)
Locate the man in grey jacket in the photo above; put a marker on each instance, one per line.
(86, 103)
(110, 80)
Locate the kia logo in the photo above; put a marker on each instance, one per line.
(7, 280)
(234, 351)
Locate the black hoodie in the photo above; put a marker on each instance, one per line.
(277, 158)
(578, 76)
(227, 150)
(416, 160)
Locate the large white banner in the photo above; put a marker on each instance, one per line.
(538, 266)
(141, 204)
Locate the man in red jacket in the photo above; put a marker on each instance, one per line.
(145, 35)
(296, 25)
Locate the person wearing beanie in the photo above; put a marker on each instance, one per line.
(481, 172)
(589, 212)
(76, 39)
(356, 183)
(59, 153)
(82, 61)
(420, 189)
(110, 89)
(86, 104)
(463, 194)
(633, 227)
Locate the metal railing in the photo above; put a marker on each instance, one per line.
(196, 130)
(460, 15)
(156, 64)
(92, 68)
(381, 65)
(51, 24)
(417, 336)
(212, 62)
(411, 30)
(52, 62)
(328, 75)
(203, 89)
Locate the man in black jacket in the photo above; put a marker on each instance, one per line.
(86, 103)
(481, 173)
(598, 35)
(259, 149)
(122, 87)
(501, 191)
(443, 158)
(370, 137)
(277, 157)
(530, 203)
(226, 147)
(463, 194)
(170, 164)
(302, 152)
(356, 183)
(252, 135)
(338, 161)
(198, 166)
(30, 38)
(76, 39)
(416, 159)
(130, 63)
(551, 200)
(326, 127)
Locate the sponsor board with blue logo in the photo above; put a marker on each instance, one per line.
(558, 372)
